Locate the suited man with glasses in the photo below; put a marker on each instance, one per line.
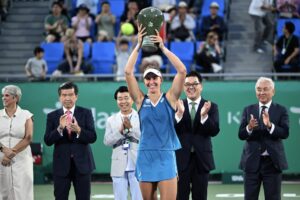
(197, 121)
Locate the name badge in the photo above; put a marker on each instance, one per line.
(126, 146)
(283, 51)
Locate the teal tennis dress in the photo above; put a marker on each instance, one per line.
(156, 159)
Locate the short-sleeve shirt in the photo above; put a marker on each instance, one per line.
(288, 43)
(81, 30)
(37, 66)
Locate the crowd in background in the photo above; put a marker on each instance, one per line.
(92, 21)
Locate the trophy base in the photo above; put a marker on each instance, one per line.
(148, 46)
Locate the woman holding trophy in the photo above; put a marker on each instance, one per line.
(156, 161)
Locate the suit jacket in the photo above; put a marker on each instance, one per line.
(197, 135)
(112, 136)
(65, 147)
(250, 158)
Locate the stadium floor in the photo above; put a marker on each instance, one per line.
(103, 191)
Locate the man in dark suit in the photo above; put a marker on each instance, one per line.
(71, 130)
(197, 121)
(263, 126)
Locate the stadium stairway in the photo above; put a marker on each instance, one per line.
(240, 55)
(21, 33)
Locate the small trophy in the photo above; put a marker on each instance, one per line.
(151, 18)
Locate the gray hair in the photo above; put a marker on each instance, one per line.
(265, 79)
(13, 90)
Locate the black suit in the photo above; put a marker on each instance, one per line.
(72, 157)
(258, 168)
(194, 167)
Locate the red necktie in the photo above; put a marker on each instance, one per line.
(69, 121)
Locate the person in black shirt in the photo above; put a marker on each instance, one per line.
(286, 50)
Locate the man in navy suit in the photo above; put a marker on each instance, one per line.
(263, 127)
(71, 130)
(197, 121)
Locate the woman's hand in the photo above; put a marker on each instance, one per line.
(141, 34)
(157, 39)
(6, 162)
(9, 153)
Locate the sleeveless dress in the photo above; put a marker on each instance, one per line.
(16, 181)
(156, 159)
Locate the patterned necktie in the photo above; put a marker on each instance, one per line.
(69, 121)
(261, 121)
(262, 126)
(193, 111)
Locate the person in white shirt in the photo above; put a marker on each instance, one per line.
(263, 25)
(16, 162)
(122, 133)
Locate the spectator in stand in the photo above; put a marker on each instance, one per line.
(106, 23)
(3, 9)
(82, 23)
(194, 7)
(213, 22)
(183, 24)
(209, 54)
(130, 14)
(163, 4)
(103, 36)
(263, 25)
(123, 52)
(151, 58)
(288, 8)
(92, 6)
(74, 62)
(286, 49)
(56, 24)
(169, 14)
(36, 67)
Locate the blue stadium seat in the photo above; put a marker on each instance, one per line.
(280, 25)
(86, 50)
(185, 52)
(103, 57)
(206, 4)
(117, 7)
(53, 55)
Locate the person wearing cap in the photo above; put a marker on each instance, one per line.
(156, 162)
(197, 122)
(82, 23)
(213, 22)
(92, 5)
(122, 133)
(183, 24)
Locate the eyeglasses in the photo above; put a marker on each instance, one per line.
(191, 84)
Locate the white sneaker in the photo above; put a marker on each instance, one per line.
(259, 50)
(216, 68)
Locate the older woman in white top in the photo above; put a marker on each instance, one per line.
(16, 164)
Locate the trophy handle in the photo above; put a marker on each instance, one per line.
(148, 45)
